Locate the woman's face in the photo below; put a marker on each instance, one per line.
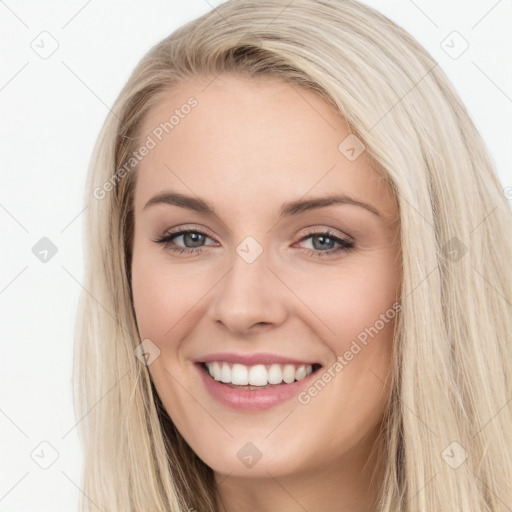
(274, 281)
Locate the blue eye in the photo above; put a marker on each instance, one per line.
(327, 239)
(193, 240)
(193, 237)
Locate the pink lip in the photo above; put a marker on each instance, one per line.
(252, 399)
(249, 359)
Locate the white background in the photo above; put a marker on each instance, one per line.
(52, 110)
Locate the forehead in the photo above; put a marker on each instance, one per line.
(251, 140)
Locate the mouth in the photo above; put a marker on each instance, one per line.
(259, 376)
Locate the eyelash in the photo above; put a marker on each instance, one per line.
(345, 245)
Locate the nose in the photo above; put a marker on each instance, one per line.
(248, 298)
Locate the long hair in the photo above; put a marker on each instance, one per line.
(448, 424)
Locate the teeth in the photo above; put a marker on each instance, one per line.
(300, 373)
(225, 374)
(239, 375)
(258, 375)
(275, 374)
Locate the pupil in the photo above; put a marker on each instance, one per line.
(323, 239)
(196, 239)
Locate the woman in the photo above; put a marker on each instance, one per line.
(298, 283)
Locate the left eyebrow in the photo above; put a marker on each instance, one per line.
(290, 208)
(299, 206)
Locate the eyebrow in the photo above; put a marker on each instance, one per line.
(290, 208)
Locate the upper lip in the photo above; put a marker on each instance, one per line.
(251, 359)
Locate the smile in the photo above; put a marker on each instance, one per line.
(257, 387)
(259, 375)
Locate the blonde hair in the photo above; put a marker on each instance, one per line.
(452, 366)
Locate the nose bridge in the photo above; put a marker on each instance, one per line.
(248, 293)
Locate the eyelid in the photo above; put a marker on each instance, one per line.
(309, 231)
(189, 227)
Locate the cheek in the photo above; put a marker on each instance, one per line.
(352, 299)
(358, 307)
(364, 310)
(162, 295)
(150, 296)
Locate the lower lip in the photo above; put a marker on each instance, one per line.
(252, 399)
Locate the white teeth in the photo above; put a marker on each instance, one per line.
(239, 375)
(275, 374)
(257, 375)
(300, 373)
(216, 371)
(289, 373)
(225, 373)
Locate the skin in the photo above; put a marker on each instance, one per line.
(249, 146)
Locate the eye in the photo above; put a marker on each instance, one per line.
(193, 239)
(326, 240)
